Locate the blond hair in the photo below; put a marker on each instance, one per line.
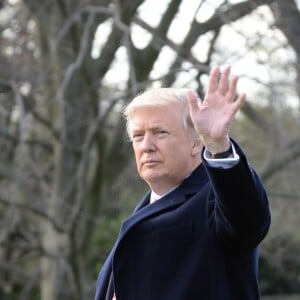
(162, 97)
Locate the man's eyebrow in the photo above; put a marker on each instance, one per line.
(151, 127)
(158, 127)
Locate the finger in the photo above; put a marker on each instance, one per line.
(213, 80)
(231, 92)
(224, 81)
(239, 102)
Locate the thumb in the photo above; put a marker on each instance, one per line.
(193, 101)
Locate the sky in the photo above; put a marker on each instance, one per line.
(242, 44)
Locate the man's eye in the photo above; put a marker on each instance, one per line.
(137, 137)
(162, 133)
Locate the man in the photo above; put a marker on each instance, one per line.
(195, 235)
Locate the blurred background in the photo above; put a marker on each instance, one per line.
(67, 174)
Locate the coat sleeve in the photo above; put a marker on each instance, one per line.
(238, 211)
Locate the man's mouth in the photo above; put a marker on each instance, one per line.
(150, 163)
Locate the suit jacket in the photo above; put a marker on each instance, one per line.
(198, 242)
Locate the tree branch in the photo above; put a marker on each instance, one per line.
(34, 209)
(289, 154)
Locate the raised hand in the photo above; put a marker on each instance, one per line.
(213, 117)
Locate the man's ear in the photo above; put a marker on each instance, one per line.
(197, 147)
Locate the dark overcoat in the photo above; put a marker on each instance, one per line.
(198, 242)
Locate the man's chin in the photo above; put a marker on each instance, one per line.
(151, 178)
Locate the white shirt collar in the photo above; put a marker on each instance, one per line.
(154, 196)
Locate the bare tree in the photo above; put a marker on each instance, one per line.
(66, 70)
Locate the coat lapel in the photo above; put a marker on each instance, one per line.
(144, 210)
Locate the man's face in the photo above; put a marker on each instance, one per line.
(164, 152)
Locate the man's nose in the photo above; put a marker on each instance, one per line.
(148, 143)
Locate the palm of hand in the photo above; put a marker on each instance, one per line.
(213, 117)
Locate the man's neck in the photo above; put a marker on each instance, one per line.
(160, 189)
